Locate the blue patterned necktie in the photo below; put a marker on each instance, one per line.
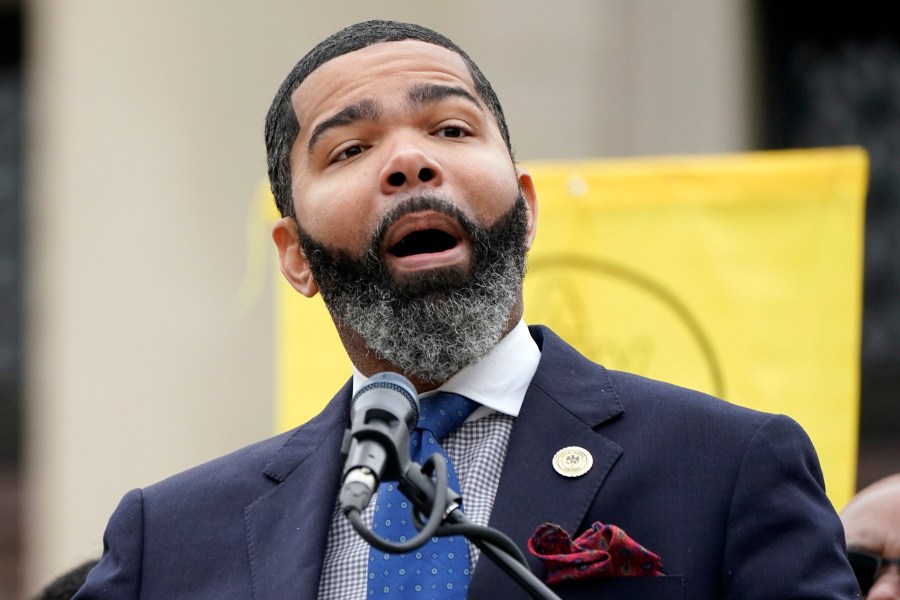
(440, 568)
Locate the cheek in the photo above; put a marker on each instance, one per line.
(333, 212)
(493, 186)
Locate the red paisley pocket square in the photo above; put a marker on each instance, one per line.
(601, 551)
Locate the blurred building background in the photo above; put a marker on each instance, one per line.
(131, 148)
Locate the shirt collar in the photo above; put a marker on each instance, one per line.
(498, 381)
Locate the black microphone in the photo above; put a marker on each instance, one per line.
(376, 446)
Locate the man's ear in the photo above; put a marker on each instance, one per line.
(528, 192)
(294, 265)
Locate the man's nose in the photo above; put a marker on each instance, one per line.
(409, 167)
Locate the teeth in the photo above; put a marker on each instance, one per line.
(423, 242)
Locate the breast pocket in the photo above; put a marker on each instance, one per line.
(669, 587)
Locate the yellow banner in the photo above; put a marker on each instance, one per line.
(738, 275)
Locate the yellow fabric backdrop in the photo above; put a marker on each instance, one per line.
(739, 275)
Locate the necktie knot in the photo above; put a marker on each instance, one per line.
(444, 412)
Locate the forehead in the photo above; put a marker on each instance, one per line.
(376, 72)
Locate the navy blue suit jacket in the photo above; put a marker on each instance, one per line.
(731, 499)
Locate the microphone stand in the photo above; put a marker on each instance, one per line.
(441, 503)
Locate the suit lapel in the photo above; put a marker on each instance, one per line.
(287, 528)
(567, 398)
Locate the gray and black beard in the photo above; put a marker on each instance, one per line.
(432, 324)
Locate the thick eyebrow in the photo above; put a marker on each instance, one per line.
(423, 94)
(366, 109)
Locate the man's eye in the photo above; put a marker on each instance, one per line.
(451, 131)
(348, 153)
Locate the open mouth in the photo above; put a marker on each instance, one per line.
(425, 241)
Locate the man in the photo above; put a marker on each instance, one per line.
(391, 163)
(872, 523)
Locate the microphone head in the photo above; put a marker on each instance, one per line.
(392, 385)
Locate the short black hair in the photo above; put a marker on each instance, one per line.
(282, 127)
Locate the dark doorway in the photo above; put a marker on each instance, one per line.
(11, 205)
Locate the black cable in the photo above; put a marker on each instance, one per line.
(488, 534)
(493, 543)
(429, 530)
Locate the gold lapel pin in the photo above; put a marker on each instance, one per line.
(572, 461)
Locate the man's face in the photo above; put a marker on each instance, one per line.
(395, 136)
(872, 525)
